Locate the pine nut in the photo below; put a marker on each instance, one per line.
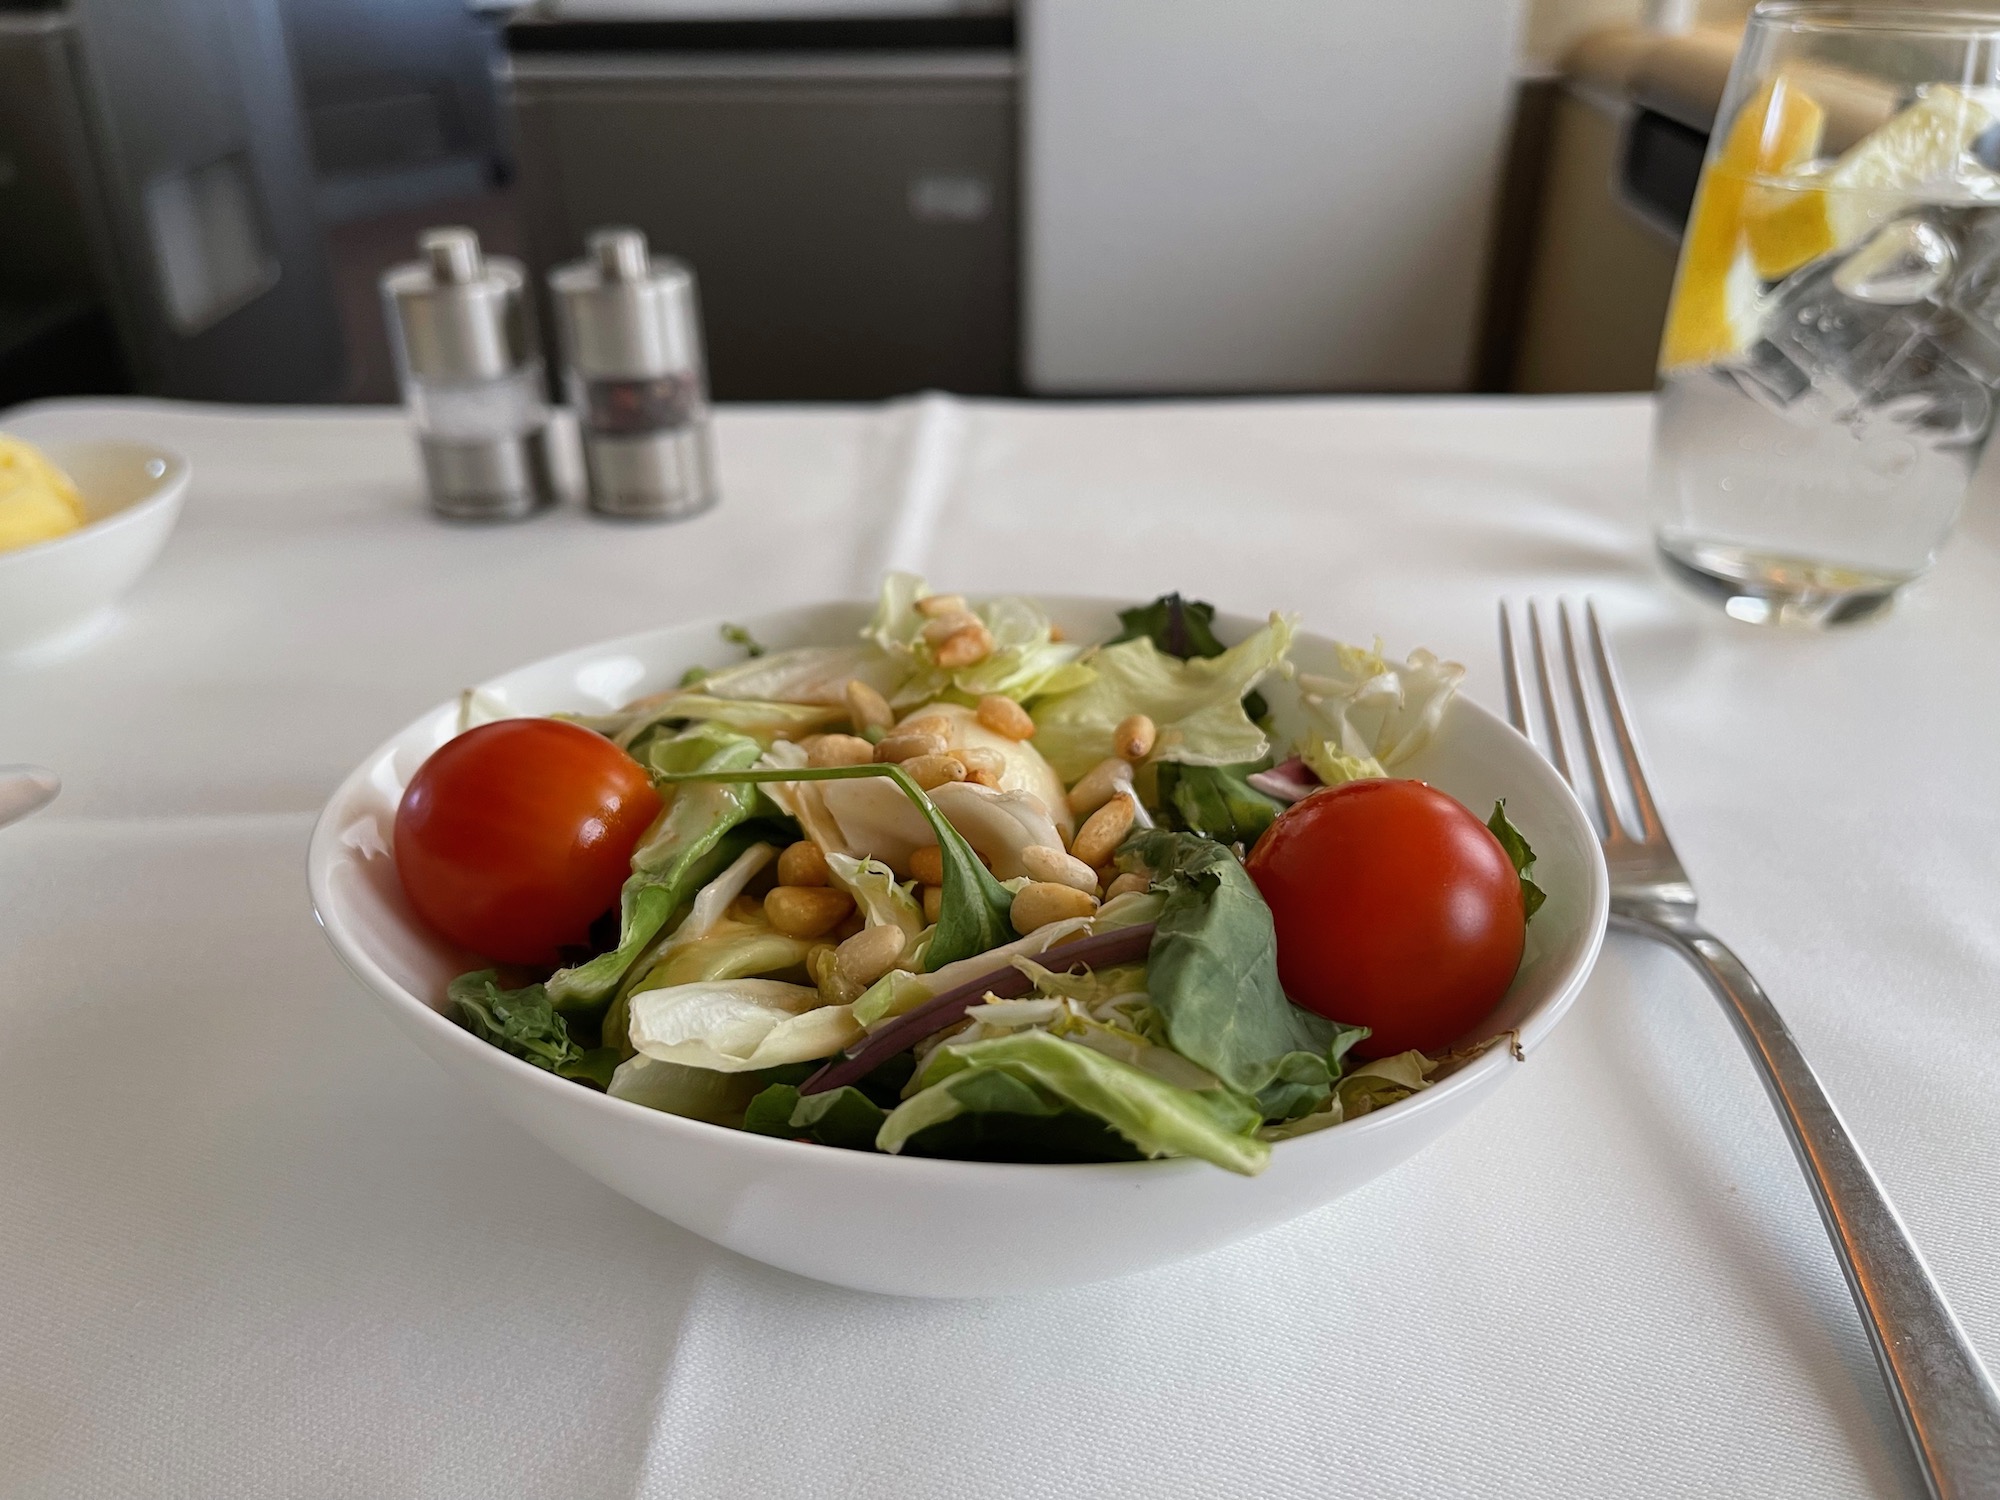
(1127, 885)
(1103, 832)
(1133, 738)
(803, 864)
(941, 604)
(1043, 863)
(1098, 785)
(933, 904)
(945, 624)
(869, 954)
(824, 750)
(976, 759)
(985, 779)
(1057, 634)
(806, 911)
(936, 724)
(927, 864)
(928, 771)
(900, 747)
(867, 708)
(1005, 716)
(1042, 902)
(965, 648)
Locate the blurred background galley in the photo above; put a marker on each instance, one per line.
(197, 197)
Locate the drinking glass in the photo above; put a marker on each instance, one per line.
(1828, 369)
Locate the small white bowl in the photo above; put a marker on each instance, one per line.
(53, 591)
(906, 1225)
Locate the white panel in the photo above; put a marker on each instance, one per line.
(1227, 195)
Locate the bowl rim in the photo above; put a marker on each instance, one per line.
(326, 845)
(167, 488)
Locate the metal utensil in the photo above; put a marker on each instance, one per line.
(1949, 1406)
(24, 790)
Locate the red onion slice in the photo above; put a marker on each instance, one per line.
(1123, 946)
(1288, 781)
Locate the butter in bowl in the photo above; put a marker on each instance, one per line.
(80, 521)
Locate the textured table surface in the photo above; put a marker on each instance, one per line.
(253, 1244)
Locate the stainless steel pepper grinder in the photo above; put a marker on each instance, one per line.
(631, 338)
(472, 377)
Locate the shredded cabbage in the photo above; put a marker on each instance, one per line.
(739, 1025)
(1369, 715)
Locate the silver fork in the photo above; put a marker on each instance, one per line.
(1947, 1401)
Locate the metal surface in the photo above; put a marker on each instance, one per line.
(1949, 1406)
(24, 790)
(460, 316)
(631, 336)
(471, 373)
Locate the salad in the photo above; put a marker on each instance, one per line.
(964, 888)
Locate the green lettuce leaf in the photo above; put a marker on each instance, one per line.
(524, 1024)
(1154, 1117)
(1026, 662)
(1523, 857)
(1305, 1080)
(681, 852)
(809, 675)
(1180, 627)
(677, 1089)
(1326, 761)
(1004, 1119)
(974, 910)
(1213, 970)
(1197, 704)
(1382, 1082)
(1216, 802)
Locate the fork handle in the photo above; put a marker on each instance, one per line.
(1947, 1401)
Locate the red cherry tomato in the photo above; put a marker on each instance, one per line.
(1396, 909)
(514, 837)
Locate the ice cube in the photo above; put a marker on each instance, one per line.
(1905, 261)
(1899, 354)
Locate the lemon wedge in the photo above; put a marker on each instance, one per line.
(1714, 312)
(1790, 223)
(37, 501)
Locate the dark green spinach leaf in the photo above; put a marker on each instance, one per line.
(1523, 857)
(843, 1117)
(1213, 971)
(1216, 802)
(524, 1024)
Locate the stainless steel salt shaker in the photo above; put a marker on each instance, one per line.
(472, 377)
(631, 338)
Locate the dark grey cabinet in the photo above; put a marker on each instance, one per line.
(850, 212)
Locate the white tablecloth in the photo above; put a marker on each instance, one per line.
(253, 1244)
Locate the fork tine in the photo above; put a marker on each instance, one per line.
(1545, 680)
(1628, 748)
(1510, 668)
(1600, 773)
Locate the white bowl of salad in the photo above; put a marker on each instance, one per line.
(958, 948)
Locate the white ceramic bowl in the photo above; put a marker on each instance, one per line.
(908, 1225)
(56, 590)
